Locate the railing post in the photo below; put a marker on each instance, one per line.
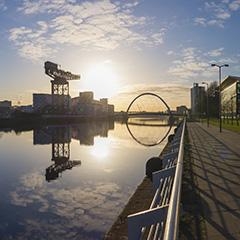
(171, 227)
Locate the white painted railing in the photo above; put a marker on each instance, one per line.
(160, 221)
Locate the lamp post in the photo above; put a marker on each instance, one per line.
(207, 104)
(220, 104)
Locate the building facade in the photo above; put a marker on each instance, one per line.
(86, 105)
(230, 96)
(197, 99)
(5, 108)
(182, 110)
(5, 104)
(41, 101)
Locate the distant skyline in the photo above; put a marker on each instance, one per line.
(120, 48)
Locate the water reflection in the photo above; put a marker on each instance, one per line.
(82, 204)
(60, 138)
(150, 131)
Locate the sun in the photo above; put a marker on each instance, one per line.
(102, 79)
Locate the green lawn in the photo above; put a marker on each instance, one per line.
(226, 124)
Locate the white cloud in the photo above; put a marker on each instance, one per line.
(228, 60)
(32, 43)
(81, 209)
(194, 64)
(170, 53)
(200, 21)
(235, 5)
(3, 6)
(190, 66)
(158, 37)
(215, 52)
(220, 10)
(102, 25)
(216, 14)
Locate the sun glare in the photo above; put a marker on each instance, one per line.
(100, 149)
(102, 79)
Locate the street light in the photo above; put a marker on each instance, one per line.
(220, 104)
(207, 104)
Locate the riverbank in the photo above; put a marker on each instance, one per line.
(140, 201)
(191, 221)
(33, 120)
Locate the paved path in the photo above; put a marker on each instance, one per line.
(216, 167)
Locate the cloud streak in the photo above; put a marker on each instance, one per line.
(79, 211)
(99, 25)
(189, 65)
(216, 14)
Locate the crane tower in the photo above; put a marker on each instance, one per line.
(59, 85)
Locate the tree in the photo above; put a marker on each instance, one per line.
(213, 99)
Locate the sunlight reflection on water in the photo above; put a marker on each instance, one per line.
(43, 196)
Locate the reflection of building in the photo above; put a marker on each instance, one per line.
(60, 138)
(230, 95)
(86, 105)
(86, 132)
(197, 99)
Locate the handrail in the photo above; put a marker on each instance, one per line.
(163, 215)
(171, 227)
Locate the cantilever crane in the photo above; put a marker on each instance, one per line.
(60, 85)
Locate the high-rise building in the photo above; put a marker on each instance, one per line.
(197, 99)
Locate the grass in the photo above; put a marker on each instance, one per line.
(226, 124)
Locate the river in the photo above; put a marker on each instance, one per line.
(71, 182)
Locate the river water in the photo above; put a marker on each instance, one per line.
(71, 182)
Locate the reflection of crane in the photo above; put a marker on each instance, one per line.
(61, 139)
(60, 85)
(53, 171)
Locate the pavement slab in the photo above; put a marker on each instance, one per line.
(216, 169)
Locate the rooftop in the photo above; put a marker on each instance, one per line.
(229, 80)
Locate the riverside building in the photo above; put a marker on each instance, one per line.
(230, 95)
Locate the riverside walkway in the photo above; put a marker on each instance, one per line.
(216, 169)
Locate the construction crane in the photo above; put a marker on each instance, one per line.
(59, 85)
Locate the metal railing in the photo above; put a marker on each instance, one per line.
(160, 221)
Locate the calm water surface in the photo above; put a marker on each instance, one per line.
(70, 182)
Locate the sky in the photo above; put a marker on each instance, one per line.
(120, 48)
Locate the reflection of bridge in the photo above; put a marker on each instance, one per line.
(143, 117)
(147, 114)
(152, 114)
(148, 124)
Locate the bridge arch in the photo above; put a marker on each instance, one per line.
(158, 141)
(152, 94)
